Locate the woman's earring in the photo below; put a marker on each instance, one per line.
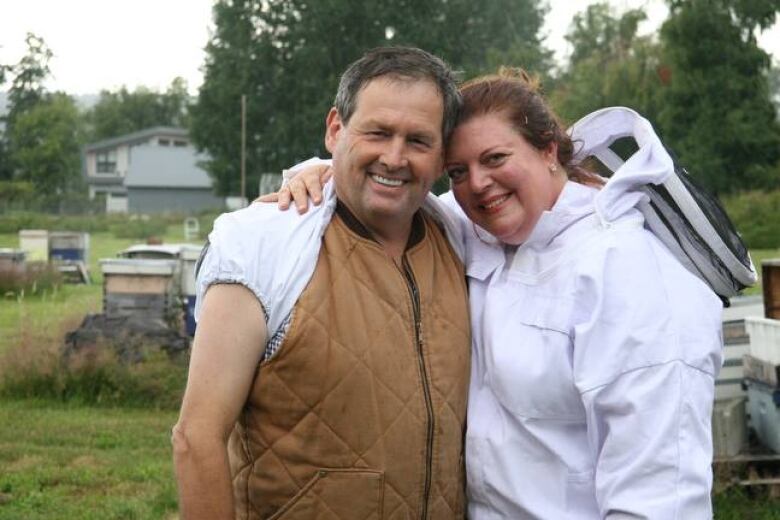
(552, 167)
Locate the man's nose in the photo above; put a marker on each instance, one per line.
(394, 154)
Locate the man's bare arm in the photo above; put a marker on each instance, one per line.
(228, 345)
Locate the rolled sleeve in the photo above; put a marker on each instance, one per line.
(224, 262)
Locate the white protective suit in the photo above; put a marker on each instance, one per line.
(594, 361)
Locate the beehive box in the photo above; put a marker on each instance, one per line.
(12, 260)
(141, 287)
(770, 280)
(764, 339)
(735, 340)
(35, 243)
(189, 260)
(68, 246)
(763, 401)
(729, 428)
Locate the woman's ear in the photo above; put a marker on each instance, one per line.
(551, 153)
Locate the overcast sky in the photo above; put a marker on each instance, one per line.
(104, 44)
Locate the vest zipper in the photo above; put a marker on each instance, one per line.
(415, 295)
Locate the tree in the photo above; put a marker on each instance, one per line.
(609, 66)
(124, 112)
(286, 57)
(715, 110)
(46, 149)
(29, 74)
(25, 92)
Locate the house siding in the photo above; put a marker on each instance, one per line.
(171, 200)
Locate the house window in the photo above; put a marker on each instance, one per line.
(164, 142)
(180, 143)
(106, 162)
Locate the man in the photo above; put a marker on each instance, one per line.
(329, 371)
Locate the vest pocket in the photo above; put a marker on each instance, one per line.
(339, 494)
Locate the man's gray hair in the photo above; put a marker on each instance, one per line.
(403, 63)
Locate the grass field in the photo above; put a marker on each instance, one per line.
(84, 463)
(61, 460)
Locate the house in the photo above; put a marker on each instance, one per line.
(150, 171)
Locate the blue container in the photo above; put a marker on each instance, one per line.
(65, 255)
(190, 315)
(763, 401)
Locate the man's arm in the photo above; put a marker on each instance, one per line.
(228, 346)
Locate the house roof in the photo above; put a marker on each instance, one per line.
(136, 137)
(166, 167)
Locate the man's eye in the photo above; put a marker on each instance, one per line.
(377, 133)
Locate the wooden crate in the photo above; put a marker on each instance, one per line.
(770, 279)
(141, 287)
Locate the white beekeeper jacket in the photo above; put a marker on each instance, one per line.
(594, 360)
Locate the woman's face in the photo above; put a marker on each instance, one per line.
(500, 180)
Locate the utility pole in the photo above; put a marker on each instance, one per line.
(243, 148)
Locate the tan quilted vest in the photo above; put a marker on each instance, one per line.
(353, 418)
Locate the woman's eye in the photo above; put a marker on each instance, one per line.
(456, 174)
(495, 158)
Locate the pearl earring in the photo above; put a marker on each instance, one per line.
(552, 167)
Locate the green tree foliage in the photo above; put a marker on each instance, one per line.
(287, 55)
(25, 92)
(46, 142)
(609, 66)
(715, 108)
(124, 112)
(29, 74)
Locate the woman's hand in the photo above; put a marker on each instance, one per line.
(305, 184)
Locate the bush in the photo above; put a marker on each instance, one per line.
(756, 216)
(123, 226)
(35, 279)
(12, 222)
(92, 377)
(140, 228)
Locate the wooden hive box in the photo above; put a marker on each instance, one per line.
(770, 279)
(140, 287)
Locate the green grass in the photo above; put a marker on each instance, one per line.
(78, 463)
(739, 504)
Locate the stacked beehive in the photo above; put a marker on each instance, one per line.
(762, 362)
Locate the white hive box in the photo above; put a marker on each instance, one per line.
(735, 346)
(764, 339)
(729, 427)
(35, 242)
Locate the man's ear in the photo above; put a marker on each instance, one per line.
(333, 127)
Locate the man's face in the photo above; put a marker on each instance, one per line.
(387, 157)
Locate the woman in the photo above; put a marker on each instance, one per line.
(595, 352)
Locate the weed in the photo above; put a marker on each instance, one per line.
(95, 376)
